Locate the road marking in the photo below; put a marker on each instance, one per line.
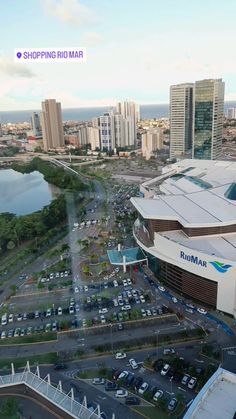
(183, 389)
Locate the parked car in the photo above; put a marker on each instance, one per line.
(172, 404)
(122, 375)
(132, 400)
(120, 355)
(161, 288)
(10, 318)
(115, 283)
(189, 310)
(103, 310)
(59, 311)
(121, 393)
(168, 351)
(19, 317)
(165, 369)
(185, 379)
(174, 299)
(202, 311)
(192, 382)
(71, 310)
(143, 388)
(98, 381)
(111, 386)
(158, 395)
(142, 299)
(133, 363)
(48, 312)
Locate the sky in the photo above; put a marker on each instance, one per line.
(135, 49)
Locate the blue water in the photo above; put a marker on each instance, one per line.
(23, 194)
(85, 114)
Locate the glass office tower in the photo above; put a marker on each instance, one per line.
(208, 113)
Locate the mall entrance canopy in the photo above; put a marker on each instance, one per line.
(126, 257)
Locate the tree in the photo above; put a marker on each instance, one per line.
(65, 247)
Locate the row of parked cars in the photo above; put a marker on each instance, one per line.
(55, 275)
(19, 332)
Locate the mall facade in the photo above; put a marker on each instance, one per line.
(186, 225)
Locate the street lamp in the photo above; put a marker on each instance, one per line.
(111, 337)
(157, 333)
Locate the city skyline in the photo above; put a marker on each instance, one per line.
(131, 61)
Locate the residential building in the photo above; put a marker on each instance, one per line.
(93, 137)
(181, 119)
(208, 114)
(131, 115)
(107, 131)
(152, 140)
(231, 113)
(36, 126)
(52, 128)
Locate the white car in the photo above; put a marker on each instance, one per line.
(165, 369)
(85, 288)
(125, 283)
(120, 355)
(103, 320)
(129, 281)
(142, 299)
(202, 311)
(59, 311)
(143, 388)
(158, 395)
(121, 393)
(161, 288)
(133, 363)
(149, 313)
(77, 308)
(103, 310)
(143, 312)
(122, 375)
(48, 312)
(115, 303)
(174, 299)
(192, 382)
(3, 334)
(115, 283)
(76, 290)
(10, 318)
(51, 276)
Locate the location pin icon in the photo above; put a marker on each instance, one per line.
(18, 54)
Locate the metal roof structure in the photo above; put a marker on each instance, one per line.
(55, 395)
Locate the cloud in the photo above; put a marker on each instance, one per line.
(13, 69)
(92, 39)
(71, 12)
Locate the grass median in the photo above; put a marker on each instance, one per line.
(50, 358)
(42, 337)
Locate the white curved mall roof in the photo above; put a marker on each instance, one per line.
(195, 199)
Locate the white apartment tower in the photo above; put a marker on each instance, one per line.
(52, 128)
(130, 113)
(181, 119)
(107, 131)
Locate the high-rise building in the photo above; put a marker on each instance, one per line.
(52, 128)
(0, 130)
(130, 113)
(181, 117)
(93, 137)
(36, 126)
(119, 127)
(107, 131)
(208, 114)
(152, 140)
(231, 113)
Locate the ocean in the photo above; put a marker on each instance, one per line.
(86, 114)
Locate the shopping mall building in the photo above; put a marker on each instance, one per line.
(186, 225)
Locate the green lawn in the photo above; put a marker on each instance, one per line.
(42, 337)
(50, 358)
(157, 413)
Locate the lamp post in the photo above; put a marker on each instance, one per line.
(157, 333)
(111, 338)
